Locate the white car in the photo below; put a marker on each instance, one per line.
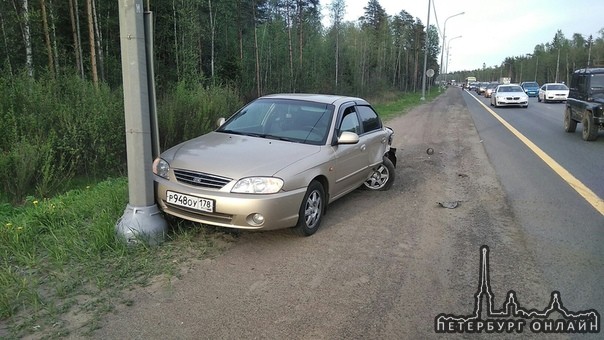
(509, 95)
(553, 92)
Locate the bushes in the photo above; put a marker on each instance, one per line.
(54, 129)
(189, 110)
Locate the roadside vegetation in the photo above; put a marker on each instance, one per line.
(58, 250)
(62, 130)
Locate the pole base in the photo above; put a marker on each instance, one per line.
(142, 224)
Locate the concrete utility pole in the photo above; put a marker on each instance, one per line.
(426, 53)
(142, 220)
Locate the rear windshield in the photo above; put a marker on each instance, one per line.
(557, 87)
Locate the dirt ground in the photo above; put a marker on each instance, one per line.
(382, 266)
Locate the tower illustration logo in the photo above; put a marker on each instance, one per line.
(512, 317)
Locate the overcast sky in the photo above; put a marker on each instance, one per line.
(494, 30)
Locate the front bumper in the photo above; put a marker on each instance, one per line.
(511, 102)
(279, 210)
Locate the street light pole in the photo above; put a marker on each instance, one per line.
(447, 63)
(442, 52)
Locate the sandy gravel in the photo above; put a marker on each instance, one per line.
(382, 266)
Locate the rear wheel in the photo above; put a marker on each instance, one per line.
(311, 210)
(570, 125)
(590, 130)
(382, 177)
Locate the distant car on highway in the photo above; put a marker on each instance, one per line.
(489, 90)
(482, 86)
(531, 88)
(553, 92)
(509, 95)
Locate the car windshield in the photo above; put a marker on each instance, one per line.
(531, 84)
(283, 119)
(510, 89)
(557, 87)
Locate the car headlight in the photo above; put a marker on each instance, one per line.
(161, 167)
(258, 185)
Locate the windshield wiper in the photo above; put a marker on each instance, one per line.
(231, 132)
(285, 139)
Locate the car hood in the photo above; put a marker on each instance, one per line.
(237, 156)
(511, 94)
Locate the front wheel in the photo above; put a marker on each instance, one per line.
(590, 130)
(311, 210)
(570, 125)
(382, 177)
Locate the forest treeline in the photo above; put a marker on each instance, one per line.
(256, 46)
(61, 100)
(549, 62)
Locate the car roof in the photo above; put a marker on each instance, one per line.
(318, 98)
(590, 70)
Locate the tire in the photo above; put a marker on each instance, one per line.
(311, 210)
(382, 177)
(538, 99)
(570, 125)
(590, 130)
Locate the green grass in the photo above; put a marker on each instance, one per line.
(392, 104)
(61, 256)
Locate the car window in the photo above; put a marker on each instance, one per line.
(369, 119)
(557, 87)
(350, 121)
(597, 81)
(289, 120)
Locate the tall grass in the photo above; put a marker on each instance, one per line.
(190, 109)
(55, 129)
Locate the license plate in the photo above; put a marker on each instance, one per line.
(192, 202)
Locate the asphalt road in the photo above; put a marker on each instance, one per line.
(385, 265)
(565, 231)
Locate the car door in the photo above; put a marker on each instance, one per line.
(372, 135)
(351, 160)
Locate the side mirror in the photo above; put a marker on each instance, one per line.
(220, 121)
(348, 137)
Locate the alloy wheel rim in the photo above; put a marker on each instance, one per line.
(379, 178)
(313, 209)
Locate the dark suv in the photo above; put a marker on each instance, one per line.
(585, 102)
